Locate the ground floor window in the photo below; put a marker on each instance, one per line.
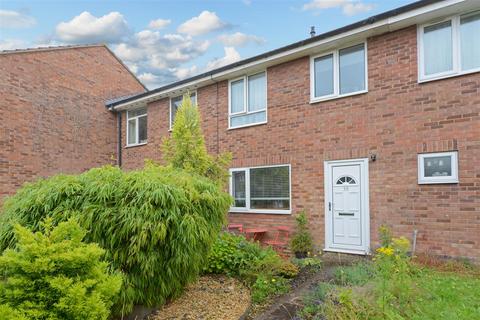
(439, 167)
(261, 189)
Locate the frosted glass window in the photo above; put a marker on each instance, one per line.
(470, 41)
(438, 49)
(237, 96)
(440, 167)
(323, 68)
(352, 69)
(137, 126)
(257, 95)
(248, 100)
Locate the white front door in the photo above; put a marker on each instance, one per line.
(346, 206)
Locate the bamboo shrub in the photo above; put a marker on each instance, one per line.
(156, 224)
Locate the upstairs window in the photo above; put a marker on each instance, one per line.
(175, 104)
(449, 47)
(136, 127)
(261, 189)
(339, 73)
(248, 100)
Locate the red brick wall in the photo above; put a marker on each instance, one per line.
(52, 112)
(396, 119)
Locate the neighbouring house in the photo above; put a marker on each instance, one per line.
(52, 111)
(373, 123)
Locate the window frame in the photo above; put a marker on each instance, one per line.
(136, 118)
(442, 179)
(194, 92)
(456, 50)
(245, 101)
(247, 208)
(336, 73)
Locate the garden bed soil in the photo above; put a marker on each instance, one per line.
(211, 298)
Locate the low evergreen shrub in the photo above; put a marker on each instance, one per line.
(156, 224)
(54, 275)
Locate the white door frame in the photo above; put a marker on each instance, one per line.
(365, 207)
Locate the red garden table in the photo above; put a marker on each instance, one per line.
(255, 233)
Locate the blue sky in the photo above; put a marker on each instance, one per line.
(165, 41)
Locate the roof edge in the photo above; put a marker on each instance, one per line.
(356, 25)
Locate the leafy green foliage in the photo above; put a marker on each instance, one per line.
(156, 224)
(235, 256)
(313, 262)
(302, 239)
(186, 149)
(356, 275)
(392, 287)
(266, 286)
(54, 275)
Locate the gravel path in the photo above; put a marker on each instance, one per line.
(211, 298)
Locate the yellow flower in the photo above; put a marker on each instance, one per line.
(385, 251)
(273, 280)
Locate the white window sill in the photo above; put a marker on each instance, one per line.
(135, 145)
(451, 181)
(448, 75)
(273, 211)
(327, 98)
(248, 125)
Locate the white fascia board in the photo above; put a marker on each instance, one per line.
(400, 21)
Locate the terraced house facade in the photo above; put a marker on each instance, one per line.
(374, 123)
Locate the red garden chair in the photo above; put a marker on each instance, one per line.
(280, 238)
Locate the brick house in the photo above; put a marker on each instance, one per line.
(373, 123)
(52, 111)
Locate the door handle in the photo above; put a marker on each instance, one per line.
(329, 206)
(346, 214)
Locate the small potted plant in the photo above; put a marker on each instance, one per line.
(301, 242)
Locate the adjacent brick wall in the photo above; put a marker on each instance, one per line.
(52, 112)
(396, 119)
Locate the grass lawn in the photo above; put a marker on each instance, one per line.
(360, 292)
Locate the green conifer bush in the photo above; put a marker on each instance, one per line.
(54, 275)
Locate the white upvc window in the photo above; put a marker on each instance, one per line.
(175, 103)
(247, 100)
(263, 189)
(439, 167)
(449, 47)
(136, 127)
(339, 73)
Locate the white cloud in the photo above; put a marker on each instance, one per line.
(239, 39)
(86, 28)
(150, 80)
(182, 73)
(12, 44)
(15, 19)
(206, 22)
(349, 7)
(231, 56)
(159, 23)
(159, 57)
